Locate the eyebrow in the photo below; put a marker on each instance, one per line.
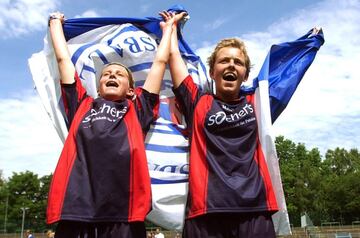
(116, 71)
(230, 57)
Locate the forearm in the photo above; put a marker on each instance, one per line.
(66, 68)
(163, 50)
(177, 65)
(156, 74)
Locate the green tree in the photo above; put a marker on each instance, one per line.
(300, 172)
(25, 191)
(289, 173)
(341, 185)
(41, 205)
(3, 202)
(24, 194)
(2, 180)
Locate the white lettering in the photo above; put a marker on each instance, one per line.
(105, 112)
(219, 117)
(211, 120)
(113, 111)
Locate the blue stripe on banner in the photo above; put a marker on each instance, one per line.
(139, 67)
(79, 51)
(193, 71)
(125, 29)
(176, 130)
(102, 57)
(163, 123)
(172, 132)
(167, 149)
(88, 68)
(118, 50)
(161, 181)
(165, 112)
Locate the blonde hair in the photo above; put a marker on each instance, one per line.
(131, 78)
(229, 42)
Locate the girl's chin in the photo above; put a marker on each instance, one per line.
(112, 96)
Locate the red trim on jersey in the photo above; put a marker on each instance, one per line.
(175, 114)
(270, 195)
(199, 178)
(191, 87)
(138, 92)
(140, 189)
(156, 110)
(79, 88)
(63, 169)
(250, 98)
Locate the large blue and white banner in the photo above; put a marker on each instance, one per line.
(94, 42)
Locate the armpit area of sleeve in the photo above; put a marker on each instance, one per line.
(68, 85)
(140, 90)
(188, 79)
(71, 85)
(155, 98)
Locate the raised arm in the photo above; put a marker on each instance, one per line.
(66, 67)
(156, 74)
(178, 67)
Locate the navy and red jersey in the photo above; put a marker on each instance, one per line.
(228, 172)
(102, 173)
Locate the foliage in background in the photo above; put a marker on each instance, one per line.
(24, 191)
(327, 189)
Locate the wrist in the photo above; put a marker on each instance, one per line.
(54, 16)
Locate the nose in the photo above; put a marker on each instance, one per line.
(231, 63)
(112, 76)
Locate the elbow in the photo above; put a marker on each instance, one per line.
(62, 60)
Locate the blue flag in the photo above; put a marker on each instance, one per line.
(285, 66)
(281, 73)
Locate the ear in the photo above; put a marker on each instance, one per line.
(130, 93)
(246, 78)
(211, 73)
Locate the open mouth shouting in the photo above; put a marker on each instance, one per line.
(112, 83)
(229, 76)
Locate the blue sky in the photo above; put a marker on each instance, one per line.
(324, 112)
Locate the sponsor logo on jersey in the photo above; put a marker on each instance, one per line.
(221, 117)
(105, 112)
